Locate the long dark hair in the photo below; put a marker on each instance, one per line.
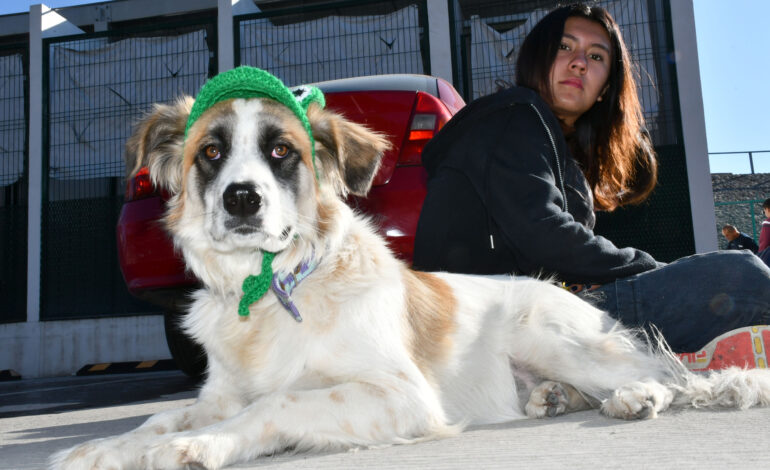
(609, 140)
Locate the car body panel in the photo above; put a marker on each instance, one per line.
(393, 109)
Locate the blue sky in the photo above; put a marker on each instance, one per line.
(735, 76)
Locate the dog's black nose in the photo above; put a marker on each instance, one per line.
(241, 200)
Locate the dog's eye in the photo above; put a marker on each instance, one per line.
(280, 151)
(212, 152)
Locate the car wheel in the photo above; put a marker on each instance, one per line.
(188, 355)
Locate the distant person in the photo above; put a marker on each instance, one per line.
(764, 233)
(737, 240)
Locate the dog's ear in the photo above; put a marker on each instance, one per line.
(347, 153)
(157, 144)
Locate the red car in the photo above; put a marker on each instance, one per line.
(409, 109)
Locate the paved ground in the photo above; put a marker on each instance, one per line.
(38, 417)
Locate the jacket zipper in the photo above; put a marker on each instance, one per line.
(556, 153)
(558, 172)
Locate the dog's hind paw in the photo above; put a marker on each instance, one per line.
(639, 400)
(547, 399)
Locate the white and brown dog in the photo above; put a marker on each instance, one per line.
(382, 354)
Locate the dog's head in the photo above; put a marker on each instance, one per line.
(244, 172)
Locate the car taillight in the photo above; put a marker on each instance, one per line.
(140, 186)
(428, 116)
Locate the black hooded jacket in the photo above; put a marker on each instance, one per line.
(505, 196)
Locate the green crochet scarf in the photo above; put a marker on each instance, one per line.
(251, 82)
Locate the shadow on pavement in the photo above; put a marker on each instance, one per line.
(45, 396)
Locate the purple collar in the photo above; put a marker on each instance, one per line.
(284, 284)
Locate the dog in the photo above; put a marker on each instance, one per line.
(362, 351)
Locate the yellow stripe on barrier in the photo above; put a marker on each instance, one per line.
(99, 367)
(146, 364)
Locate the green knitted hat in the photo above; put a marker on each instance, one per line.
(251, 82)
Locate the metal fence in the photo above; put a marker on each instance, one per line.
(486, 37)
(335, 40)
(13, 182)
(96, 86)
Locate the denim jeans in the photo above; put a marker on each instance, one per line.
(692, 300)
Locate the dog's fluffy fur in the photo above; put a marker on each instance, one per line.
(385, 354)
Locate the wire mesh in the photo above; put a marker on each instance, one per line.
(336, 40)
(97, 86)
(13, 185)
(662, 226)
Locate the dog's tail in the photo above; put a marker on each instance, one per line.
(733, 387)
(728, 388)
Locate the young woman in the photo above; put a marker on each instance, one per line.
(515, 177)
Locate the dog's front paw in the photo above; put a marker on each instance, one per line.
(639, 400)
(91, 455)
(190, 451)
(547, 399)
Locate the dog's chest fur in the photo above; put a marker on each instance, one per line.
(269, 350)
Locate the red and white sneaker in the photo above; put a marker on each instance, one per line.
(745, 347)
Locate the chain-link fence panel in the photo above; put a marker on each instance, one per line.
(13, 183)
(97, 86)
(335, 40)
